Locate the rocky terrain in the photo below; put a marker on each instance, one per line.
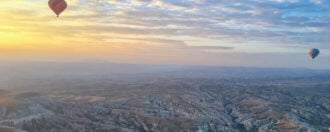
(170, 102)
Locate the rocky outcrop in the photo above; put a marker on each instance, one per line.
(205, 105)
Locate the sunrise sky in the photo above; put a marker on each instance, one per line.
(262, 33)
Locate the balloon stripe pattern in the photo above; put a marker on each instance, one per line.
(58, 6)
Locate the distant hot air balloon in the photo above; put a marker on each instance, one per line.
(58, 6)
(313, 53)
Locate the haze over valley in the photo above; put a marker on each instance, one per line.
(55, 96)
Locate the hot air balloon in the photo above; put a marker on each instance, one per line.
(313, 53)
(58, 6)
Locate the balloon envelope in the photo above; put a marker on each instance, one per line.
(313, 53)
(58, 6)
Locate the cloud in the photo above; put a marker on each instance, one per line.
(212, 18)
(244, 20)
(187, 26)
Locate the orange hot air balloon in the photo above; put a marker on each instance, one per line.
(58, 6)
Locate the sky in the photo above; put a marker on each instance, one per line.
(253, 33)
